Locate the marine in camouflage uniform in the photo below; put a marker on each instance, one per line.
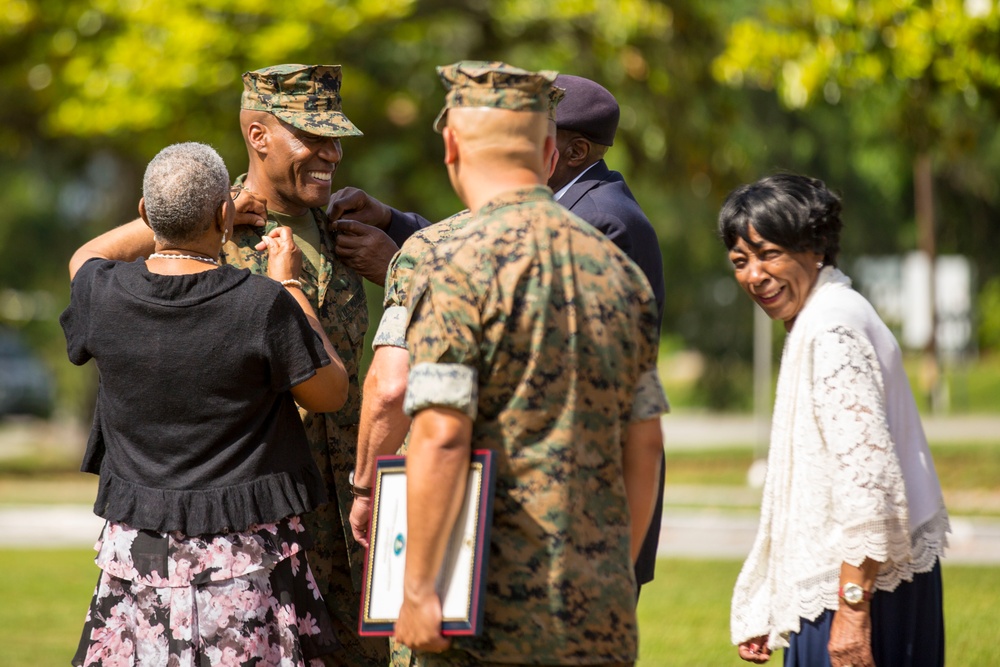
(538, 329)
(384, 426)
(392, 328)
(383, 429)
(308, 98)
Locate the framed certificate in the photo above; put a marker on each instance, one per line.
(462, 580)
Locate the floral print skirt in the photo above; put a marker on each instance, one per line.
(169, 600)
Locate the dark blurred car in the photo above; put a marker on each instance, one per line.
(26, 386)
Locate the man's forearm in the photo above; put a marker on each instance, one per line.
(437, 467)
(383, 423)
(641, 462)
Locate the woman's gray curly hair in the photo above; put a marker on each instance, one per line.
(182, 188)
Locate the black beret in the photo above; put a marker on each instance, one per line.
(587, 108)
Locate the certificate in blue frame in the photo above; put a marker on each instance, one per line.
(462, 581)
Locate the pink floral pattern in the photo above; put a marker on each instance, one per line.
(235, 599)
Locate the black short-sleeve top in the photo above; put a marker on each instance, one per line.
(195, 428)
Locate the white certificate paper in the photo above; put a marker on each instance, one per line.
(462, 579)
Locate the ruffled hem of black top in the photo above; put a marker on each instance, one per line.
(210, 511)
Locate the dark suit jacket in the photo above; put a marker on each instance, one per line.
(402, 225)
(601, 198)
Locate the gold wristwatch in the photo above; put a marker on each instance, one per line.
(853, 594)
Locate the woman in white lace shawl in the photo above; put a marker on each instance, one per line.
(844, 570)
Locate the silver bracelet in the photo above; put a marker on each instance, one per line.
(292, 282)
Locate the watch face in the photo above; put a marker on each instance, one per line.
(853, 593)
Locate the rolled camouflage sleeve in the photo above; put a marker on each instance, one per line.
(442, 336)
(442, 385)
(650, 401)
(391, 329)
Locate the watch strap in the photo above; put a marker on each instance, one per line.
(358, 491)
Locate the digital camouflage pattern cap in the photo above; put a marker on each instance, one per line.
(556, 94)
(495, 85)
(305, 96)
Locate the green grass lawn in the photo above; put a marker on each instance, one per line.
(45, 595)
(959, 466)
(973, 387)
(683, 614)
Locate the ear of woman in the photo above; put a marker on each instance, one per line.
(142, 211)
(224, 216)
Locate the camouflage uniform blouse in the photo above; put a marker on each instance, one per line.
(337, 294)
(392, 328)
(542, 331)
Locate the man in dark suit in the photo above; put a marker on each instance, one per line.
(586, 122)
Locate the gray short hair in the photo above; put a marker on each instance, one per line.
(183, 187)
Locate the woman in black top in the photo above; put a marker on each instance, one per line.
(203, 462)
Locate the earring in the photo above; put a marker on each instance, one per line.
(819, 265)
(224, 232)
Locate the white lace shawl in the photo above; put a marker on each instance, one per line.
(849, 473)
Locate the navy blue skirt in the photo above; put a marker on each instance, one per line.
(907, 628)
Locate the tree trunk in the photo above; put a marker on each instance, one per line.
(923, 195)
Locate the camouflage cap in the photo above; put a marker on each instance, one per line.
(495, 85)
(556, 94)
(305, 96)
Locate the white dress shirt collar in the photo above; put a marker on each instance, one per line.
(566, 187)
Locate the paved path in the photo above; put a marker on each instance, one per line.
(684, 431)
(686, 534)
(691, 534)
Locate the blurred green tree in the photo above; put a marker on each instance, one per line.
(921, 71)
(94, 88)
(925, 73)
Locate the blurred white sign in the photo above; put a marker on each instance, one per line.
(900, 290)
(953, 297)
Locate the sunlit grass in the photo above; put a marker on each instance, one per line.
(45, 595)
(968, 467)
(967, 472)
(684, 615)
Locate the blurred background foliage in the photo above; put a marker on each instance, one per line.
(713, 93)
